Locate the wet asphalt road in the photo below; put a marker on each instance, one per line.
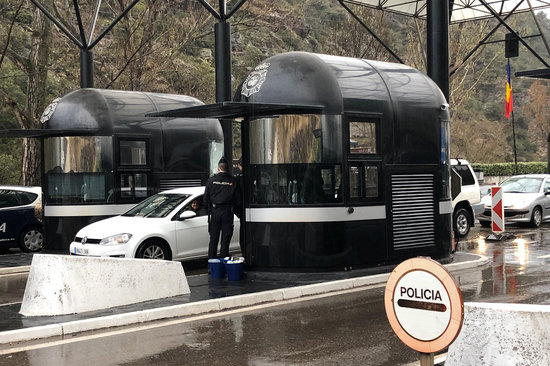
(349, 329)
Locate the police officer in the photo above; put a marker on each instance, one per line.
(220, 196)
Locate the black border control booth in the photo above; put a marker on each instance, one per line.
(102, 155)
(346, 163)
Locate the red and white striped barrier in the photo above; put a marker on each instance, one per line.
(497, 212)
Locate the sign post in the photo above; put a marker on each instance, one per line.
(424, 306)
(497, 211)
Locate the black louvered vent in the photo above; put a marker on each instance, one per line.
(413, 211)
(178, 183)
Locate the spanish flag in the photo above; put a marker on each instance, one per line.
(509, 106)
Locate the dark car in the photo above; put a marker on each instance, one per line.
(21, 218)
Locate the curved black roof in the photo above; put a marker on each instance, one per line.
(103, 110)
(301, 82)
(339, 84)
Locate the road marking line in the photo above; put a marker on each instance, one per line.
(10, 303)
(544, 256)
(160, 323)
(14, 274)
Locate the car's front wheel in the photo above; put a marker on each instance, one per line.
(154, 249)
(462, 222)
(31, 240)
(536, 217)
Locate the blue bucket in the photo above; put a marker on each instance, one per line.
(217, 269)
(234, 271)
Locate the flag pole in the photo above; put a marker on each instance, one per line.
(510, 110)
(514, 136)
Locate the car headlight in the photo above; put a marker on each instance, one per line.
(116, 239)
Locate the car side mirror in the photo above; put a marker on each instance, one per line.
(187, 215)
(547, 192)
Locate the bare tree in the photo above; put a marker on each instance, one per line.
(32, 59)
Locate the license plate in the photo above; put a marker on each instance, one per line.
(81, 251)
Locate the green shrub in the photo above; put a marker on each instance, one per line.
(506, 169)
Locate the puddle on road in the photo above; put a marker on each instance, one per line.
(519, 271)
(12, 288)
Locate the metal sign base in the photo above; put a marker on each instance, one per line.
(499, 237)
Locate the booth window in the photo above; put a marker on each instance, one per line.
(295, 160)
(362, 137)
(78, 169)
(133, 152)
(133, 185)
(364, 180)
(363, 159)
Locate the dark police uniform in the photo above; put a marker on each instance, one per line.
(220, 196)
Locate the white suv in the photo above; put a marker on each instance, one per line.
(466, 196)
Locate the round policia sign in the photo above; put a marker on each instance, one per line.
(424, 305)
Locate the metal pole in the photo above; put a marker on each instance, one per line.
(86, 68)
(496, 16)
(514, 136)
(370, 32)
(509, 71)
(222, 33)
(483, 41)
(539, 27)
(426, 359)
(438, 44)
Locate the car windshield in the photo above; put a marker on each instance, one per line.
(521, 185)
(159, 205)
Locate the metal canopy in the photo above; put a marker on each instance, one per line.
(36, 133)
(539, 74)
(462, 10)
(235, 110)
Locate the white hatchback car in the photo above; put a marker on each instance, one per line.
(161, 227)
(526, 199)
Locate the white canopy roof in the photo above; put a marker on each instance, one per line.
(463, 10)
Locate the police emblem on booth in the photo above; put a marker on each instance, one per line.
(49, 110)
(254, 80)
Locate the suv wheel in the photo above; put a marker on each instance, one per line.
(462, 222)
(31, 240)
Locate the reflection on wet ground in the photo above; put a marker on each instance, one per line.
(519, 272)
(12, 288)
(349, 329)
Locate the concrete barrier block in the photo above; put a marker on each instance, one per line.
(502, 334)
(61, 284)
